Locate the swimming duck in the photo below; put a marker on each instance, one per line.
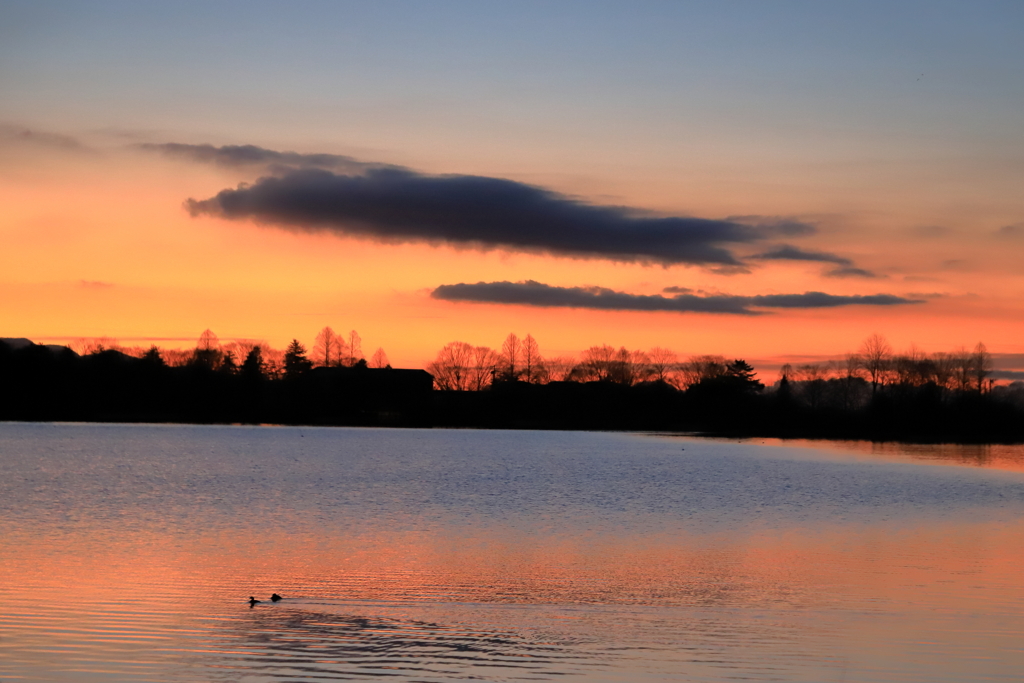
(275, 597)
(253, 602)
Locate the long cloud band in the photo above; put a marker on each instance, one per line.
(532, 293)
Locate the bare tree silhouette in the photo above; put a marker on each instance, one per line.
(451, 368)
(944, 370)
(876, 354)
(208, 341)
(912, 367)
(240, 348)
(560, 368)
(379, 359)
(352, 350)
(963, 375)
(483, 368)
(85, 346)
(177, 358)
(327, 348)
(207, 354)
(596, 363)
(511, 352)
(981, 364)
(662, 364)
(637, 366)
(533, 363)
(700, 368)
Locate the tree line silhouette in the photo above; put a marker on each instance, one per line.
(462, 367)
(244, 381)
(873, 393)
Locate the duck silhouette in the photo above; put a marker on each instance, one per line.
(275, 597)
(253, 602)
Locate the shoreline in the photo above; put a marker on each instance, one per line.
(788, 436)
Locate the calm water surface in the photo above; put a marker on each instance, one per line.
(127, 553)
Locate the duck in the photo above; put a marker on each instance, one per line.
(253, 602)
(275, 597)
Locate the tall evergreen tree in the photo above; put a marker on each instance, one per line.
(295, 361)
(741, 373)
(252, 366)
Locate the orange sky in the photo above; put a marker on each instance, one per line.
(98, 244)
(913, 176)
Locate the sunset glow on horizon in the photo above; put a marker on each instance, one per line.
(763, 181)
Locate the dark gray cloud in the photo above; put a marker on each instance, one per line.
(532, 293)
(678, 290)
(850, 271)
(398, 205)
(251, 155)
(788, 252)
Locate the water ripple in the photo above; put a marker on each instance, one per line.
(278, 643)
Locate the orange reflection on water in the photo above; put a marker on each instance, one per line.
(996, 456)
(796, 566)
(859, 588)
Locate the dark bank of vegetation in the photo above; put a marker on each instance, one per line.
(209, 385)
(873, 394)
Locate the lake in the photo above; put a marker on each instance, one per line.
(129, 552)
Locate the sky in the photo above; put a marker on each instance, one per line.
(766, 180)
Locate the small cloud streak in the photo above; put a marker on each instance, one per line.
(395, 205)
(729, 270)
(787, 252)
(850, 271)
(532, 293)
(235, 156)
(774, 225)
(790, 253)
